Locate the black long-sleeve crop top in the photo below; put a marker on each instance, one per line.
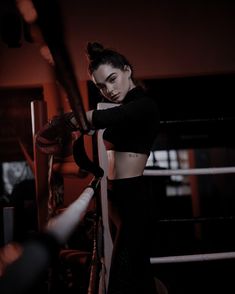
(131, 126)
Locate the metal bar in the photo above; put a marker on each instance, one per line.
(39, 118)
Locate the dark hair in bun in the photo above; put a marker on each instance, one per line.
(98, 55)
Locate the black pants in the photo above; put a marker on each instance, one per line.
(129, 211)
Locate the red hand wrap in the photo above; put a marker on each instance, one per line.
(56, 136)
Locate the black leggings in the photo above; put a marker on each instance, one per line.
(129, 211)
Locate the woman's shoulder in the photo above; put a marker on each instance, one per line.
(136, 94)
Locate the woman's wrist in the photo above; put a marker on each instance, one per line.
(89, 115)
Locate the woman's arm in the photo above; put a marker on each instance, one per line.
(135, 112)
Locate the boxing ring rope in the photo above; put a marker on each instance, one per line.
(190, 171)
(63, 225)
(197, 219)
(193, 258)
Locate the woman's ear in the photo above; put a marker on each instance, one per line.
(128, 69)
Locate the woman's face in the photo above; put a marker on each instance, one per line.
(112, 82)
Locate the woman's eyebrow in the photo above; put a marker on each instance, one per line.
(109, 76)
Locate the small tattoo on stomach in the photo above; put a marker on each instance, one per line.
(132, 155)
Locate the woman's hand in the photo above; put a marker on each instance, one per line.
(56, 135)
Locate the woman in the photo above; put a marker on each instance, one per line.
(130, 130)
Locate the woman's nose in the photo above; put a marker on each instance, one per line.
(110, 90)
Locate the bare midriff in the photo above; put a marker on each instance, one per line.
(122, 165)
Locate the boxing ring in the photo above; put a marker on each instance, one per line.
(60, 228)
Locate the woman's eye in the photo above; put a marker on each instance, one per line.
(112, 80)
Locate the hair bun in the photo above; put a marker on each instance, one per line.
(94, 50)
